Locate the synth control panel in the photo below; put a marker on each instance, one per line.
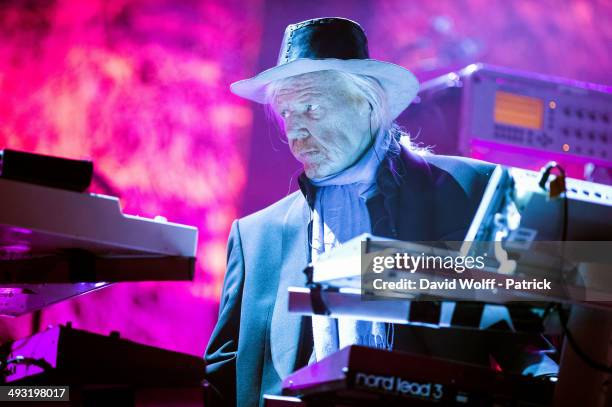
(537, 112)
(517, 119)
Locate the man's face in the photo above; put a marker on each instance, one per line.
(326, 122)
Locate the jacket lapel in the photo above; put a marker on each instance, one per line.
(285, 326)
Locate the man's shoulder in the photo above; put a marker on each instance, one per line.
(471, 174)
(275, 213)
(454, 187)
(460, 166)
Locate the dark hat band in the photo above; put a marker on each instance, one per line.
(322, 38)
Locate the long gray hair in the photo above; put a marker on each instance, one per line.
(370, 89)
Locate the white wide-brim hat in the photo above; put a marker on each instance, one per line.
(331, 43)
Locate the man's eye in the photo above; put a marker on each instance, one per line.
(312, 108)
(284, 114)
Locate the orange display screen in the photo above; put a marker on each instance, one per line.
(518, 110)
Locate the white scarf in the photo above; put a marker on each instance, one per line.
(340, 213)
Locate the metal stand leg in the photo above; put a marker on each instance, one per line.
(579, 384)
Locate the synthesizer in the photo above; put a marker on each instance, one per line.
(515, 118)
(57, 243)
(104, 370)
(69, 356)
(360, 376)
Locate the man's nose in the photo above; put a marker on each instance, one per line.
(295, 129)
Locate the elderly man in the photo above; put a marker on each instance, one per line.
(336, 106)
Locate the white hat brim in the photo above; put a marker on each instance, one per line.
(399, 84)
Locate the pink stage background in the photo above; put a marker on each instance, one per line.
(141, 87)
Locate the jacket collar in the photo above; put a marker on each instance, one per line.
(309, 190)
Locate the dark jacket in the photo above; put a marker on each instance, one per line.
(255, 342)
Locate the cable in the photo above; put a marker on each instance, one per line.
(561, 190)
(563, 318)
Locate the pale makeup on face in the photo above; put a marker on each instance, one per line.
(326, 123)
